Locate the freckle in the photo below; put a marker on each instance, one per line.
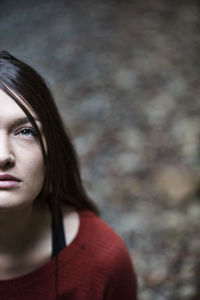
(83, 247)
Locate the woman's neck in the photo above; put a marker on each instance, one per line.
(25, 240)
(23, 226)
(14, 227)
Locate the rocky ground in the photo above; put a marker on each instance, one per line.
(125, 75)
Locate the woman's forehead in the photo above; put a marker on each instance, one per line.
(10, 109)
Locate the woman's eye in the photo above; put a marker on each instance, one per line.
(27, 132)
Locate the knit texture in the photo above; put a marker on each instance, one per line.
(95, 266)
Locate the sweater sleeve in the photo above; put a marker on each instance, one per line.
(122, 283)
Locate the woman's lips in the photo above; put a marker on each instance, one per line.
(8, 181)
(8, 184)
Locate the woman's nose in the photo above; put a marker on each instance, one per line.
(6, 156)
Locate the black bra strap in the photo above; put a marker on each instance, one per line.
(58, 234)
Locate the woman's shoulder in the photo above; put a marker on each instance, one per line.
(97, 229)
(109, 255)
(93, 234)
(102, 240)
(71, 223)
(88, 228)
(104, 256)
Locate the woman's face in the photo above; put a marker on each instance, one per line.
(22, 169)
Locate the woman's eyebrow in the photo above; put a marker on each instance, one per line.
(22, 121)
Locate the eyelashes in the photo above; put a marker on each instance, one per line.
(27, 132)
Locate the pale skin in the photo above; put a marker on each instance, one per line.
(25, 226)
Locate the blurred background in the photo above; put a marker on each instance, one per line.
(125, 76)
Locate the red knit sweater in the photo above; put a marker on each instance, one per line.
(95, 266)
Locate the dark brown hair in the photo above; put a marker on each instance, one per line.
(63, 180)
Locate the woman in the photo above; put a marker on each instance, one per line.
(53, 244)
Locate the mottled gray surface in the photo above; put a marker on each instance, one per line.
(125, 75)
